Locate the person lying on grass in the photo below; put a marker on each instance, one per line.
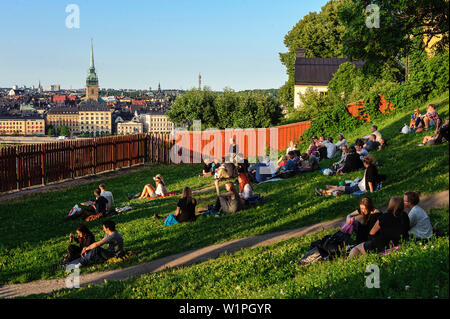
(185, 211)
(367, 184)
(419, 222)
(84, 238)
(94, 253)
(391, 227)
(150, 191)
(228, 202)
(369, 216)
(437, 139)
(98, 206)
(352, 162)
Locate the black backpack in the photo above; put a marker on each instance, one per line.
(326, 248)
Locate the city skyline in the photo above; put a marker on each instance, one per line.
(231, 44)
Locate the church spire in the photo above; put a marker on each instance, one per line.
(92, 56)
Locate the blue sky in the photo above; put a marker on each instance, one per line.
(232, 43)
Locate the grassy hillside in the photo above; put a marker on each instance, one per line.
(415, 271)
(32, 236)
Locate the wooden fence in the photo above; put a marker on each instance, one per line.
(39, 164)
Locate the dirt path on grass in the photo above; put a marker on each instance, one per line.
(193, 256)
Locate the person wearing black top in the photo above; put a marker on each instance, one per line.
(207, 168)
(186, 207)
(84, 238)
(352, 162)
(369, 216)
(369, 183)
(391, 228)
(99, 207)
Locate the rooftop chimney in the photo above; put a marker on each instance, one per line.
(300, 53)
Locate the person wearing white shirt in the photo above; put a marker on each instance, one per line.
(374, 129)
(108, 195)
(419, 222)
(270, 165)
(342, 141)
(331, 148)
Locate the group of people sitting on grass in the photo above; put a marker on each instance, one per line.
(429, 120)
(377, 231)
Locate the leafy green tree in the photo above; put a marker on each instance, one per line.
(51, 130)
(401, 21)
(64, 131)
(320, 34)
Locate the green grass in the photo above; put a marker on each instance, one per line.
(32, 236)
(415, 271)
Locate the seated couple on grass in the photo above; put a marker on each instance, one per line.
(101, 206)
(425, 122)
(377, 231)
(369, 183)
(92, 252)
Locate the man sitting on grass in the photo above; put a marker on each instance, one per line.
(372, 144)
(374, 129)
(95, 253)
(109, 197)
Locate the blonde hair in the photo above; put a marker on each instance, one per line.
(187, 193)
(396, 206)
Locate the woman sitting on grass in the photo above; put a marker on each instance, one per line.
(391, 227)
(352, 162)
(228, 202)
(369, 182)
(185, 209)
(84, 238)
(150, 191)
(245, 188)
(369, 216)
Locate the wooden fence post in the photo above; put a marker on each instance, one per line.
(43, 163)
(18, 166)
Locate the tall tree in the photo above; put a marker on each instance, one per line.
(400, 21)
(320, 34)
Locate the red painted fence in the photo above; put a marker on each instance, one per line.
(353, 108)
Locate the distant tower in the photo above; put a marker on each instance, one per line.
(159, 87)
(199, 82)
(92, 79)
(39, 87)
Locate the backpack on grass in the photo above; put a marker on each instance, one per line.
(327, 248)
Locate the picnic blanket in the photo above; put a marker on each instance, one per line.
(166, 195)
